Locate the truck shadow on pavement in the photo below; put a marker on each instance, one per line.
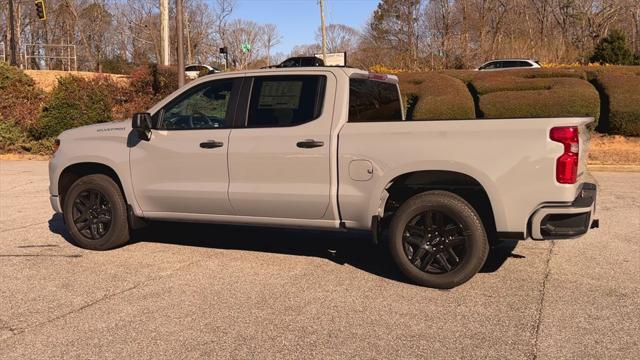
(352, 248)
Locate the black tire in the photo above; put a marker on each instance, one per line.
(416, 245)
(96, 224)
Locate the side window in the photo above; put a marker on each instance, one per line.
(512, 64)
(493, 65)
(286, 100)
(372, 101)
(524, 64)
(202, 107)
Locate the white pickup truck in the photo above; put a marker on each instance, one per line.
(327, 148)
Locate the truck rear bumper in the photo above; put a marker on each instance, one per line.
(552, 222)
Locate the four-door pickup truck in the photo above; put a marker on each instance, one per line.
(327, 148)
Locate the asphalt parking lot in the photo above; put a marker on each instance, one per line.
(205, 291)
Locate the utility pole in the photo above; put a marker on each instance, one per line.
(324, 32)
(12, 34)
(179, 30)
(164, 31)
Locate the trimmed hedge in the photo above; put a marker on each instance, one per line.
(535, 93)
(464, 75)
(433, 96)
(621, 91)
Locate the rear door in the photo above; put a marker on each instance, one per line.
(279, 156)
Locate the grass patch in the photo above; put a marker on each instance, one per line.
(614, 150)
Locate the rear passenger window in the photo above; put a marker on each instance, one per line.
(373, 101)
(287, 100)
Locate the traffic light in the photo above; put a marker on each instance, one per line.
(40, 10)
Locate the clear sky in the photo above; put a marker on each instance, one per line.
(298, 20)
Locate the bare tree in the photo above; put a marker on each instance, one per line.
(243, 42)
(340, 38)
(270, 38)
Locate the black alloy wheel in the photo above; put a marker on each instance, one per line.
(92, 214)
(95, 211)
(435, 242)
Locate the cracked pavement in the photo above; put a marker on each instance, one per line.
(211, 291)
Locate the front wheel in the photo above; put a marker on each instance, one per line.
(95, 213)
(437, 240)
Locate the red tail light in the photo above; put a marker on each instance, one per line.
(567, 163)
(375, 76)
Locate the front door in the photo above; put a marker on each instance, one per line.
(279, 156)
(183, 167)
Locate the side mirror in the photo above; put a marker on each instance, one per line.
(141, 123)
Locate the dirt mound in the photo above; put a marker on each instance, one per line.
(47, 79)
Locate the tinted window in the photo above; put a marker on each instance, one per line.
(524, 64)
(492, 65)
(203, 107)
(290, 63)
(311, 61)
(285, 100)
(511, 64)
(371, 100)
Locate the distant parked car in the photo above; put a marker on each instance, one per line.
(194, 70)
(507, 64)
(301, 61)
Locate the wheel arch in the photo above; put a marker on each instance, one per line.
(73, 172)
(404, 186)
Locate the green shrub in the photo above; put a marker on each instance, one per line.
(15, 140)
(433, 96)
(154, 80)
(148, 85)
(75, 101)
(613, 49)
(116, 65)
(535, 93)
(20, 100)
(622, 101)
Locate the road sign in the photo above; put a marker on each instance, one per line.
(246, 48)
(334, 59)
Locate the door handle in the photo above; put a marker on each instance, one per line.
(211, 144)
(309, 144)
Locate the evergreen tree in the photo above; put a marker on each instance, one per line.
(613, 49)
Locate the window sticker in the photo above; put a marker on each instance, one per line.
(280, 95)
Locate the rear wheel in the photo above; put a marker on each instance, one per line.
(95, 213)
(437, 240)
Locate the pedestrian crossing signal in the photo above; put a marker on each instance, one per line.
(40, 10)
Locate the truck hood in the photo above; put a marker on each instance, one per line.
(111, 129)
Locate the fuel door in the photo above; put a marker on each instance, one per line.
(360, 170)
